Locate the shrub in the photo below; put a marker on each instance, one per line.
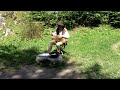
(33, 30)
(71, 19)
(114, 19)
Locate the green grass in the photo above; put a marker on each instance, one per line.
(90, 49)
(93, 47)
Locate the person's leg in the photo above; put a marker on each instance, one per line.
(63, 40)
(58, 46)
(50, 45)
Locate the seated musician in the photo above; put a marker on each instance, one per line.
(59, 37)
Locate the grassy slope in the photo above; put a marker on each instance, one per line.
(91, 49)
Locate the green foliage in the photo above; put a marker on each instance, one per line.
(33, 30)
(47, 17)
(90, 49)
(95, 46)
(7, 14)
(71, 19)
(114, 19)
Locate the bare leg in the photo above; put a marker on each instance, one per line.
(58, 46)
(50, 46)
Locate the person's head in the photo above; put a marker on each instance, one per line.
(60, 24)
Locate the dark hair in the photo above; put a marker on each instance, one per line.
(57, 30)
(61, 24)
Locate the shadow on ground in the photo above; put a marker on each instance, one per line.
(33, 72)
(26, 67)
(23, 61)
(10, 56)
(94, 72)
(65, 63)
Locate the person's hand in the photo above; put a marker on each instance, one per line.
(52, 34)
(59, 36)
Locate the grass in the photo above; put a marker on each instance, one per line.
(92, 50)
(92, 47)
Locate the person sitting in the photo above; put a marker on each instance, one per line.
(59, 37)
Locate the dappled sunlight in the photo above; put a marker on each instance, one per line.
(92, 52)
(29, 69)
(116, 48)
(33, 72)
(11, 57)
(94, 72)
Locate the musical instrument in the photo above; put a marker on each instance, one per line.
(56, 38)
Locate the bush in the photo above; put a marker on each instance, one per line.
(71, 19)
(33, 30)
(114, 19)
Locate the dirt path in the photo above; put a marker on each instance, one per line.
(36, 72)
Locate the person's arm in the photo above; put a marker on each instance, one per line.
(66, 34)
(53, 33)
